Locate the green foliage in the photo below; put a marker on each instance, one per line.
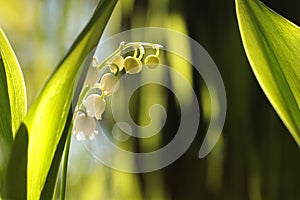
(12, 101)
(17, 166)
(13, 86)
(49, 187)
(46, 124)
(272, 44)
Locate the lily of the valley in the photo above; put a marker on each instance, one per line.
(84, 126)
(152, 61)
(95, 105)
(109, 84)
(132, 65)
(116, 64)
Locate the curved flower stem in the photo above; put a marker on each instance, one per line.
(157, 50)
(65, 166)
(142, 52)
(83, 94)
(121, 47)
(125, 45)
(135, 53)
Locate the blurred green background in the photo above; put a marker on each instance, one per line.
(255, 157)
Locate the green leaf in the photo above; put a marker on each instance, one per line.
(272, 45)
(49, 186)
(14, 87)
(47, 116)
(12, 100)
(17, 166)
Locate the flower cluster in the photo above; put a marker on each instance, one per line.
(91, 104)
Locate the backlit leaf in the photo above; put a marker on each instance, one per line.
(272, 44)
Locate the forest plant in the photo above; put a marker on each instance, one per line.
(32, 143)
(92, 103)
(90, 106)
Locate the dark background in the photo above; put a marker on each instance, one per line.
(260, 160)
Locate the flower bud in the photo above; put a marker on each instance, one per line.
(84, 126)
(132, 65)
(109, 83)
(116, 64)
(95, 106)
(152, 61)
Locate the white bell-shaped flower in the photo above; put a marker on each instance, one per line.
(93, 73)
(109, 84)
(116, 64)
(84, 126)
(132, 65)
(95, 106)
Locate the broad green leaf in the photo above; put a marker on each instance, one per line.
(17, 166)
(12, 101)
(14, 88)
(272, 45)
(6, 136)
(47, 116)
(50, 183)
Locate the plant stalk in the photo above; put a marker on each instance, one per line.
(65, 167)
